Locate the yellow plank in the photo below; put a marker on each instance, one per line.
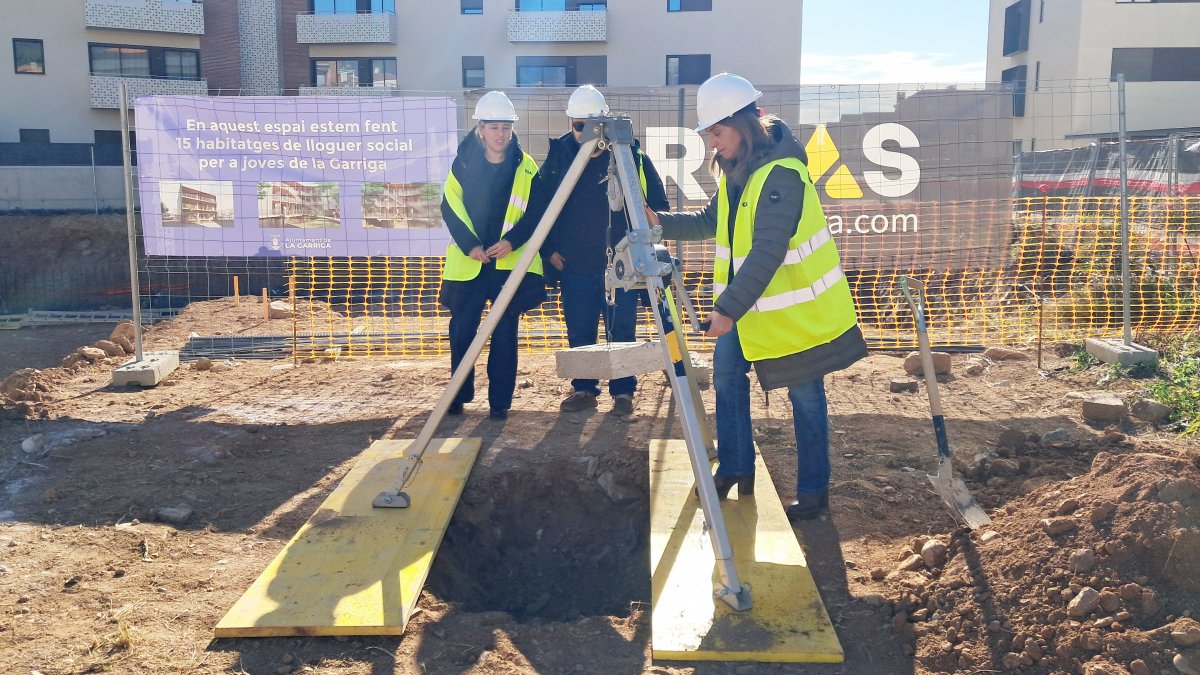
(788, 621)
(353, 569)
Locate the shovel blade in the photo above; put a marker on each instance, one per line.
(956, 495)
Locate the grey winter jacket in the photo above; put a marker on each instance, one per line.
(780, 204)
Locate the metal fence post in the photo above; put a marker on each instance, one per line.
(127, 163)
(1124, 163)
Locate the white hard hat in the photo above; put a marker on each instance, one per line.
(586, 101)
(494, 106)
(722, 95)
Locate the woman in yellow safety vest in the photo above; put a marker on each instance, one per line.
(492, 202)
(780, 299)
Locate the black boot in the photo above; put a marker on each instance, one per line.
(808, 505)
(745, 485)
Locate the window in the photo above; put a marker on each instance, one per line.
(107, 137)
(689, 5)
(472, 71)
(1014, 80)
(353, 6)
(1037, 75)
(561, 71)
(1016, 27)
(1157, 64)
(34, 135)
(354, 73)
(471, 6)
(688, 68)
(157, 62)
(1041, 10)
(1017, 147)
(29, 56)
(560, 6)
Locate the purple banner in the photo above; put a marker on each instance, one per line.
(294, 176)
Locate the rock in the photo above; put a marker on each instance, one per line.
(1150, 603)
(901, 385)
(34, 445)
(1130, 591)
(1057, 526)
(1103, 668)
(125, 344)
(1187, 663)
(1082, 560)
(912, 563)
(1102, 512)
(110, 348)
(125, 329)
(941, 364)
(176, 515)
(988, 536)
(618, 493)
(1186, 632)
(933, 553)
(1109, 601)
(1103, 406)
(1067, 506)
(1001, 466)
(1151, 411)
(1181, 490)
(976, 365)
(1057, 436)
(202, 363)
(1084, 603)
(1005, 354)
(874, 600)
(1011, 439)
(92, 354)
(1011, 660)
(71, 360)
(878, 574)
(1138, 667)
(281, 309)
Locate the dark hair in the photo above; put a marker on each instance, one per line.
(753, 130)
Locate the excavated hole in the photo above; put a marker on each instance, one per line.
(547, 542)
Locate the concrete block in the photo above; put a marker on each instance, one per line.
(607, 361)
(1103, 406)
(1116, 351)
(152, 369)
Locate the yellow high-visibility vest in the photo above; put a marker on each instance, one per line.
(462, 267)
(808, 301)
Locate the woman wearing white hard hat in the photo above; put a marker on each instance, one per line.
(780, 299)
(578, 246)
(492, 202)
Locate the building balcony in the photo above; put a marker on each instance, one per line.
(349, 91)
(106, 93)
(159, 16)
(557, 26)
(346, 28)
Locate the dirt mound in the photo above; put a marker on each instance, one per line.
(1093, 575)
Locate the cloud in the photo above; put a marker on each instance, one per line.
(888, 67)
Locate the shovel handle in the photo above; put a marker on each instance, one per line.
(916, 302)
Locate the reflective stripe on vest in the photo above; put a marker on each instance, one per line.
(807, 302)
(462, 267)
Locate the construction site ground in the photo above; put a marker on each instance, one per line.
(132, 519)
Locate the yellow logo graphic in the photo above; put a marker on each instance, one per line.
(822, 156)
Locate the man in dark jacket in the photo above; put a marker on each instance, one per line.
(578, 247)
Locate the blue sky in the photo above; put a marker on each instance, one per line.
(893, 41)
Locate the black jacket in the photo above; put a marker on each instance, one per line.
(585, 227)
(486, 191)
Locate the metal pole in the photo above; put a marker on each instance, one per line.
(1124, 163)
(679, 141)
(95, 187)
(127, 163)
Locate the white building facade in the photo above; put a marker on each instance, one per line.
(1061, 58)
(60, 62)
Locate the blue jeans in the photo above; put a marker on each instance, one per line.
(735, 438)
(583, 304)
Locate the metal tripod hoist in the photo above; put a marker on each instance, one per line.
(637, 261)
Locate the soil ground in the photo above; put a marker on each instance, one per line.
(540, 570)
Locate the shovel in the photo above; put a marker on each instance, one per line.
(951, 488)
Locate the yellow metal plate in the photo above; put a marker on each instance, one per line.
(788, 621)
(353, 569)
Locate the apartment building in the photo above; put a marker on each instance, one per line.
(1061, 58)
(60, 104)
